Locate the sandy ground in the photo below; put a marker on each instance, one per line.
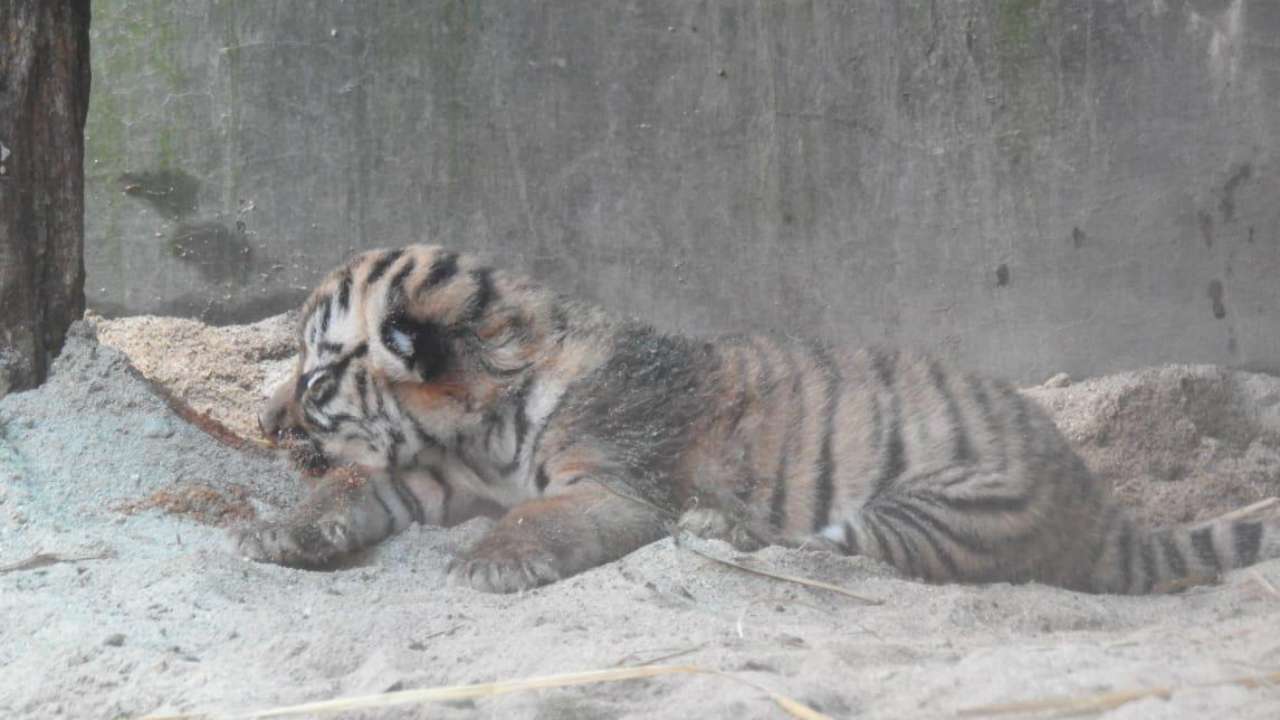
(119, 596)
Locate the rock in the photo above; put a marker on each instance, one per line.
(1060, 380)
(157, 427)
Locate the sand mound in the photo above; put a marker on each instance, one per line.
(221, 371)
(95, 465)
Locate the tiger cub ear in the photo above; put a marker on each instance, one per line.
(421, 346)
(508, 341)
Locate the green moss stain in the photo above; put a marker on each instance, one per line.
(145, 109)
(227, 12)
(1016, 24)
(441, 40)
(1020, 34)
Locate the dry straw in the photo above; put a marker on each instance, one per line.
(793, 707)
(1102, 702)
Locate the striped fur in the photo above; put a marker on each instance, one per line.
(443, 388)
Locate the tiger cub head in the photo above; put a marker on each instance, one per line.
(402, 352)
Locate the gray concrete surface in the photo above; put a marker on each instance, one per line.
(1031, 187)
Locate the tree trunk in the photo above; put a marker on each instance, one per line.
(44, 96)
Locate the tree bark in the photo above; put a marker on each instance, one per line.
(44, 97)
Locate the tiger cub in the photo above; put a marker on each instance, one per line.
(441, 386)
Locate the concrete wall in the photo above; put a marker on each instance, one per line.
(1027, 186)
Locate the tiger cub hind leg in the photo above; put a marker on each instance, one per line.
(345, 513)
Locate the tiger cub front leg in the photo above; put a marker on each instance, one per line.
(347, 512)
(550, 538)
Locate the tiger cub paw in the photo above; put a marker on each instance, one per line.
(505, 565)
(303, 545)
(714, 524)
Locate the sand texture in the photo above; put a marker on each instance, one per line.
(119, 596)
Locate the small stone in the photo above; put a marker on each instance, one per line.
(114, 640)
(1060, 380)
(155, 427)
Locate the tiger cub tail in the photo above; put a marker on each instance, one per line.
(1137, 560)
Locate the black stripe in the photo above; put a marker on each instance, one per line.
(850, 544)
(1173, 556)
(408, 498)
(1020, 427)
(520, 398)
(323, 309)
(885, 366)
(778, 499)
(444, 267)
(1125, 545)
(893, 462)
(521, 416)
(446, 488)
(559, 321)
(380, 266)
(541, 478)
(1148, 554)
(336, 372)
(763, 391)
(906, 518)
(427, 438)
(963, 450)
(344, 291)
(483, 296)
(984, 503)
(315, 420)
(470, 463)
(744, 389)
(391, 518)
(330, 347)
(910, 555)
(393, 456)
(537, 440)
(395, 288)
(328, 390)
(397, 437)
(886, 552)
(300, 385)
(826, 459)
(975, 545)
(382, 405)
(1202, 544)
(337, 419)
(1248, 541)
(995, 432)
(362, 389)
(492, 369)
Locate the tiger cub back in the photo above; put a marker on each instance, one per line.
(449, 384)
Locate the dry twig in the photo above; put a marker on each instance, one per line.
(1100, 702)
(482, 690)
(43, 559)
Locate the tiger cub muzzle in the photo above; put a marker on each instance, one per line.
(279, 424)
